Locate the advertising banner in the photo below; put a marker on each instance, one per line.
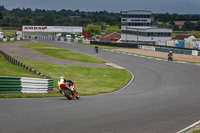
(71, 29)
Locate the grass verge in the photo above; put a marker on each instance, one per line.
(8, 69)
(62, 53)
(9, 32)
(88, 80)
(196, 131)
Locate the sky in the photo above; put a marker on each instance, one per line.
(156, 6)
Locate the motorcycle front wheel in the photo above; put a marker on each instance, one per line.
(68, 94)
(77, 95)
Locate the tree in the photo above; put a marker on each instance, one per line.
(1, 16)
(113, 29)
(48, 20)
(188, 26)
(93, 29)
(197, 27)
(27, 21)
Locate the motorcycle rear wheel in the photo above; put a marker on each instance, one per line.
(68, 94)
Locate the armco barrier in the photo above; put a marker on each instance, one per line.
(25, 85)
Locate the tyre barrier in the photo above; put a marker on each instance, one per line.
(25, 85)
(10, 39)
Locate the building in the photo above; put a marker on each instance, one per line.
(111, 36)
(183, 37)
(138, 25)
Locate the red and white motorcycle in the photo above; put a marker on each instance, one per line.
(65, 89)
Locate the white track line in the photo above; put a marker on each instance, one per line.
(189, 127)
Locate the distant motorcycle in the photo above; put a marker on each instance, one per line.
(96, 49)
(170, 58)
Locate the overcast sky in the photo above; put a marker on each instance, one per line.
(156, 6)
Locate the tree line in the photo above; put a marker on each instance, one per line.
(107, 21)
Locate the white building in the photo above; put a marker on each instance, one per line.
(138, 25)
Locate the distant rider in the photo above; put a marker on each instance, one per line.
(170, 55)
(96, 48)
(63, 80)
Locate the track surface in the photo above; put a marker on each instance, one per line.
(164, 97)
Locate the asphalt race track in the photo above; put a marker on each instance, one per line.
(164, 97)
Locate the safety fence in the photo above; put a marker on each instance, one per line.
(10, 39)
(16, 62)
(25, 85)
(174, 50)
(62, 39)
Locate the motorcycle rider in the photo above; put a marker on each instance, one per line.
(170, 55)
(69, 82)
(96, 49)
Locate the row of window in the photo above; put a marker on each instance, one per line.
(138, 20)
(135, 16)
(148, 34)
(137, 24)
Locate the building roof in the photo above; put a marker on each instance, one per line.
(135, 11)
(180, 37)
(109, 33)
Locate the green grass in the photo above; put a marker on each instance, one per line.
(9, 32)
(196, 131)
(8, 69)
(62, 53)
(88, 80)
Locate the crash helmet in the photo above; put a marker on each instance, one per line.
(170, 51)
(62, 77)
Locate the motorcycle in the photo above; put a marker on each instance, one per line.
(69, 94)
(170, 58)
